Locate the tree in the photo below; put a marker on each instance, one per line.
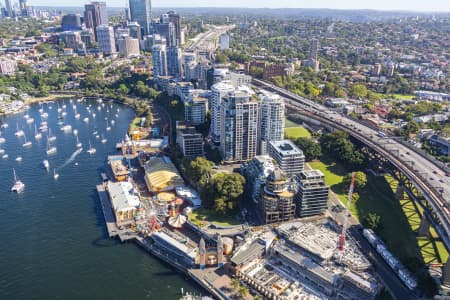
(236, 284)
(243, 291)
(372, 221)
(199, 170)
(311, 149)
(338, 145)
(358, 91)
(360, 180)
(123, 89)
(228, 187)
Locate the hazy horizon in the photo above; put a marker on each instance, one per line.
(383, 5)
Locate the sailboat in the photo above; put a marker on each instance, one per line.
(5, 125)
(75, 132)
(79, 144)
(27, 143)
(18, 186)
(77, 116)
(37, 134)
(91, 150)
(50, 137)
(2, 139)
(19, 132)
(46, 165)
(55, 175)
(108, 128)
(50, 149)
(104, 140)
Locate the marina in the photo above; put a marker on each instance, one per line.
(68, 210)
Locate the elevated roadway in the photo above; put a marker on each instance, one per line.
(427, 176)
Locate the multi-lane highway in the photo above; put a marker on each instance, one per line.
(207, 41)
(428, 177)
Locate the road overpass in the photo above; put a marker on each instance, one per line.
(427, 176)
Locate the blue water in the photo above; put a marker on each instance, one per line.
(53, 236)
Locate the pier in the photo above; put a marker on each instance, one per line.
(111, 226)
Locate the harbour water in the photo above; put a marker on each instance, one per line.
(54, 242)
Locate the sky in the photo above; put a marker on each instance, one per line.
(416, 5)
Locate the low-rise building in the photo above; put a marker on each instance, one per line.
(7, 66)
(442, 143)
(161, 175)
(288, 156)
(124, 200)
(189, 140)
(119, 168)
(312, 193)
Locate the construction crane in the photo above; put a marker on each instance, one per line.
(347, 213)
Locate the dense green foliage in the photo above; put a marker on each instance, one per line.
(338, 145)
(311, 149)
(220, 191)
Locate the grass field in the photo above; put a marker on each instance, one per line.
(399, 219)
(288, 123)
(296, 132)
(401, 97)
(202, 216)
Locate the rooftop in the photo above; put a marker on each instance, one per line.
(286, 147)
(123, 196)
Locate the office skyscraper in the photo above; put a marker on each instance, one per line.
(141, 12)
(105, 39)
(94, 15)
(174, 18)
(271, 120)
(239, 126)
(9, 5)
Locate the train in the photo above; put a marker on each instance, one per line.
(402, 272)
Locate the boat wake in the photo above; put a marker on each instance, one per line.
(71, 158)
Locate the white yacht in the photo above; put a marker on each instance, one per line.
(26, 143)
(91, 150)
(44, 115)
(51, 137)
(67, 128)
(19, 158)
(113, 122)
(37, 134)
(55, 175)
(2, 151)
(30, 121)
(86, 120)
(5, 156)
(19, 132)
(5, 125)
(77, 116)
(50, 149)
(18, 186)
(79, 144)
(46, 165)
(2, 139)
(75, 132)
(108, 128)
(104, 140)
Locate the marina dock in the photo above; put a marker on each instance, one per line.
(111, 226)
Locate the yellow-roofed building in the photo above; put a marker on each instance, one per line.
(161, 175)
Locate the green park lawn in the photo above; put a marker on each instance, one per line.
(296, 132)
(399, 219)
(202, 216)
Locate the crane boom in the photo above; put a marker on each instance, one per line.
(347, 212)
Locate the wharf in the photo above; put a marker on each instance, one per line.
(111, 226)
(110, 220)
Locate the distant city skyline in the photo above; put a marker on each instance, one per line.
(405, 5)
